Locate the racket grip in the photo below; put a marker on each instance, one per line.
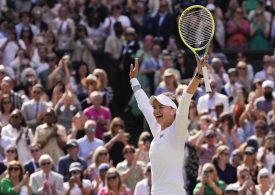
(206, 79)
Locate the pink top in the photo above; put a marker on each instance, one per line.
(102, 113)
(104, 191)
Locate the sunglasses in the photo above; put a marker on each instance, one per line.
(111, 177)
(103, 154)
(14, 169)
(209, 171)
(36, 92)
(248, 153)
(6, 102)
(264, 176)
(129, 152)
(11, 151)
(15, 116)
(45, 163)
(34, 150)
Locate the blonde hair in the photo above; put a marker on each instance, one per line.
(218, 152)
(103, 77)
(96, 154)
(208, 166)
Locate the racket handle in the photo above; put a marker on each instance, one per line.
(206, 79)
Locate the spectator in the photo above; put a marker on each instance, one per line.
(113, 184)
(46, 180)
(64, 29)
(102, 169)
(267, 72)
(209, 184)
(78, 122)
(99, 157)
(266, 153)
(259, 31)
(16, 181)
(115, 139)
(245, 184)
(76, 183)
(150, 65)
(11, 154)
(64, 162)
(51, 136)
(67, 106)
(264, 103)
(144, 143)
(207, 102)
(82, 46)
(144, 185)
(131, 170)
(20, 135)
(88, 143)
(250, 161)
(25, 21)
(263, 179)
(182, 65)
(26, 35)
(91, 84)
(237, 30)
(33, 109)
(41, 26)
(225, 171)
(169, 83)
(103, 86)
(32, 165)
(243, 75)
(6, 108)
(7, 86)
(101, 114)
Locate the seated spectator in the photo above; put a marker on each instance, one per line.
(115, 140)
(89, 143)
(100, 156)
(144, 185)
(76, 184)
(209, 183)
(207, 102)
(263, 179)
(5, 108)
(225, 171)
(243, 75)
(245, 184)
(46, 181)
(78, 122)
(264, 103)
(266, 153)
(16, 181)
(20, 135)
(267, 72)
(144, 143)
(11, 154)
(51, 136)
(32, 165)
(64, 162)
(131, 170)
(102, 170)
(114, 184)
(250, 161)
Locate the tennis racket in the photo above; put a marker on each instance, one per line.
(196, 28)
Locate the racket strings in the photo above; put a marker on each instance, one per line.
(196, 27)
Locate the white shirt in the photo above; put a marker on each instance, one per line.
(167, 148)
(142, 187)
(86, 146)
(125, 21)
(76, 190)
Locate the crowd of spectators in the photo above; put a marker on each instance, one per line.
(64, 82)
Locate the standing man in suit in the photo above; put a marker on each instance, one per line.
(165, 23)
(33, 108)
(33, 165)
(46, 181)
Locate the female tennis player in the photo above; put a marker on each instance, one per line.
(168, 123)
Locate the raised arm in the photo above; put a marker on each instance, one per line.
(142, 98)
(183, 109)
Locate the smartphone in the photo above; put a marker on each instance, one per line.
(205, 174)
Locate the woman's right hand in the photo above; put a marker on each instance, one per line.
(134, 70)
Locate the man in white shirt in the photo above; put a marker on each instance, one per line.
(89, 143)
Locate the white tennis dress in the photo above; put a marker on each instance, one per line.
(167, 148)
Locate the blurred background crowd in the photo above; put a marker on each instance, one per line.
(69, 122)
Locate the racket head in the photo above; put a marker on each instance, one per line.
(196, 28)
